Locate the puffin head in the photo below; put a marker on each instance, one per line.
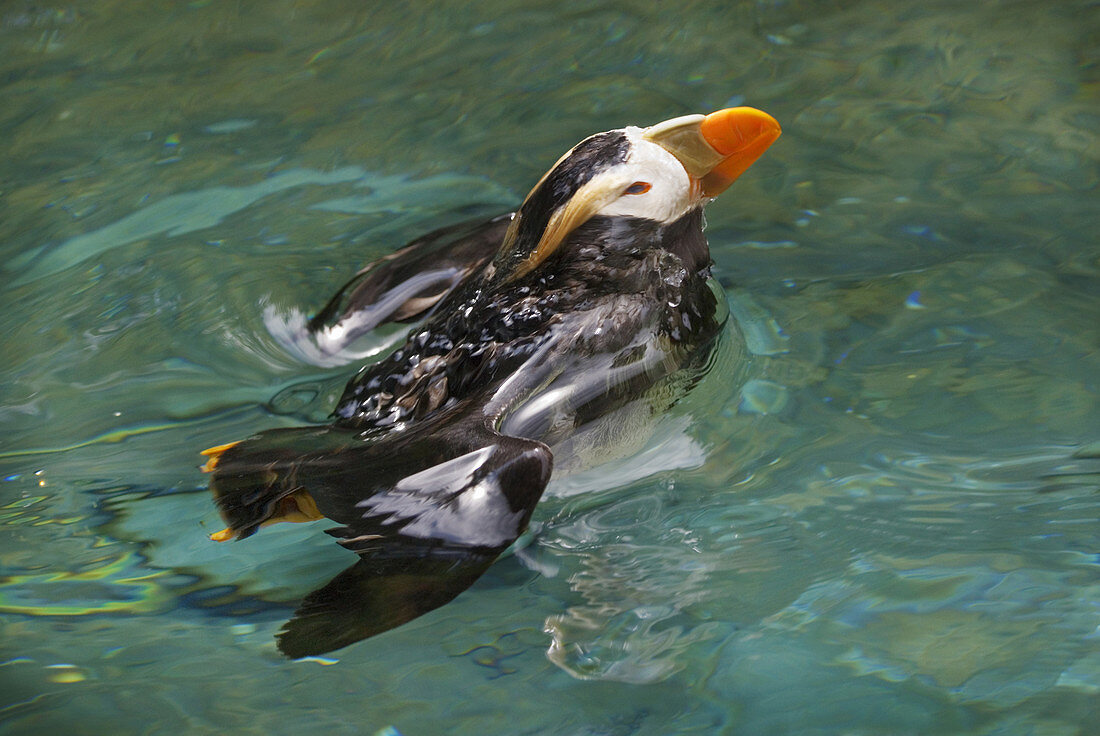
(657, 174)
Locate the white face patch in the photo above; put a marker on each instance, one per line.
(671, 193)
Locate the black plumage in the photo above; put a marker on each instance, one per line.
(437, 454)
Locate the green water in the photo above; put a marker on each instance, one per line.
(870, 522)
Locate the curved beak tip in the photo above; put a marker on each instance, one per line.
(741, 135)
(736, 129)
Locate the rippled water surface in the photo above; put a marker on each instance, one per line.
(877, 515)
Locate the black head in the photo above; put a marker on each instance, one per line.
(654, 175)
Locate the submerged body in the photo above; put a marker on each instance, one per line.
(540, 326)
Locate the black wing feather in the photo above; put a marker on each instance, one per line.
(404, 285)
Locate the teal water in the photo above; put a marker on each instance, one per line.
(878, 515)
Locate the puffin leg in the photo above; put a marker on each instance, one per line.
(255, 482)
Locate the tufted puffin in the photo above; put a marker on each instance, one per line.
(535, 328)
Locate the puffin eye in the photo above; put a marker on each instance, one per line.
(638, 187)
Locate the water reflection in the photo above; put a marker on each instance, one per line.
(860, 542)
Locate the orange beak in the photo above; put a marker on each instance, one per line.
(741, 134)
(717, 148)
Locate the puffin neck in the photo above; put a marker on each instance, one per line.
(603, 237)
(685, 238)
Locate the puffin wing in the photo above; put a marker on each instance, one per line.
(427, 512)
(404, 285)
